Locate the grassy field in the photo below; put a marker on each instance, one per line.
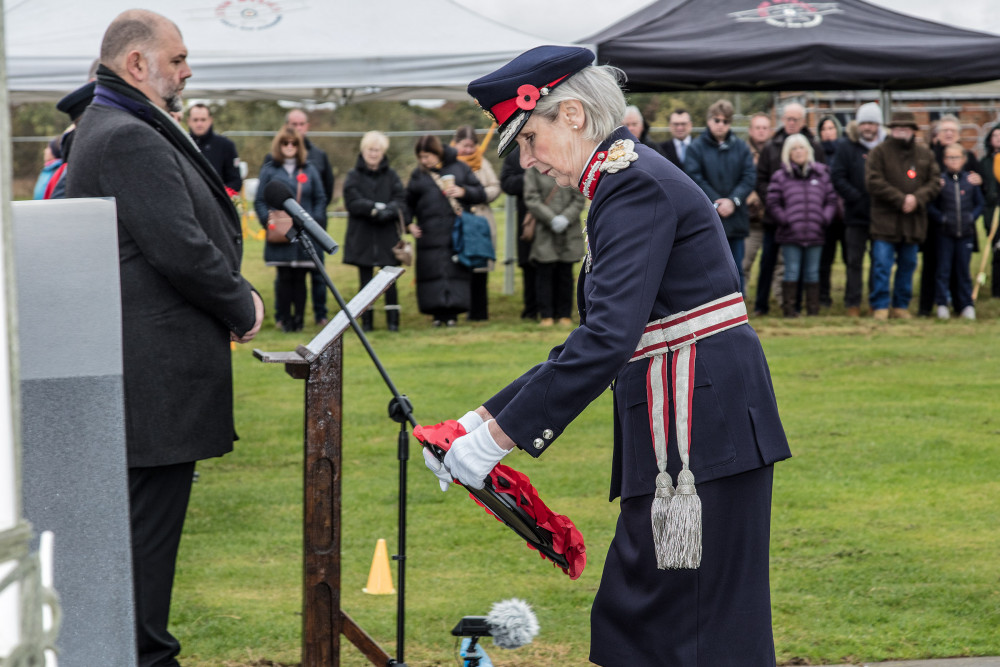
(885, 523)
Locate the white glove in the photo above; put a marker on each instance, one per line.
(470, 421)
(559, 223)
(436, 467)
(473, 456)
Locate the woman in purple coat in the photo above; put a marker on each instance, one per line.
(802, 200)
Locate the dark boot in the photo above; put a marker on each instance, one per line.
(789, 295)
(392, 319)
(812, 298)
(366, 321)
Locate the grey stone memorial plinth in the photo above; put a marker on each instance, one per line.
(75, 477)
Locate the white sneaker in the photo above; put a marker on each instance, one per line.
(942, 312)
(969, 313)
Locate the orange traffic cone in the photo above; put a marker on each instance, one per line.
(379, 577)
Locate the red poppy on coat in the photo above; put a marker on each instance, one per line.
(302, 178)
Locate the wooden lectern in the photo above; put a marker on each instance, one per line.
(320, 364)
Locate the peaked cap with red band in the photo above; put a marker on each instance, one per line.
(558, 540)
(509, 94)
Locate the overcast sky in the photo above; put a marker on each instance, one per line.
(571, 20)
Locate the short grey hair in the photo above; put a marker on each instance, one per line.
(949, 118)
(791, 142)
(598, 89)
(132, 30)
(632, 110)
(790, 105)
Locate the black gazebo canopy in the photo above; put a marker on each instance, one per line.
(751, 45)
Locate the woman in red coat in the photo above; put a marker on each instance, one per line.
(802, 200)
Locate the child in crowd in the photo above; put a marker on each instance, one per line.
(955, 212)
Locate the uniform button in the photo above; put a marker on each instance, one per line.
(547, 434)
(538, 443)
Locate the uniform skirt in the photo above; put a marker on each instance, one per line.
(716, 616)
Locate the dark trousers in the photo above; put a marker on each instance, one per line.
(479, 306)
(855, 246)
(834, 235)
(365, 274)
(158, 500)
(529, 290)
(527, 279)
(554, 289)
(928, 271)
(953, 255)
(768, 260)
(290, 297)
(716, 616)
(318, 294)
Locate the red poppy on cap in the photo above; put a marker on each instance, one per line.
(527, 96)
(511, 93)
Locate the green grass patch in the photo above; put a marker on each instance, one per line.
(885, 523)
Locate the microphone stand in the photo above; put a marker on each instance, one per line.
(400, 410)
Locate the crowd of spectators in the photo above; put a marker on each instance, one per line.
(867, 190)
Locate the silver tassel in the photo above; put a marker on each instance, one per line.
(682, 532)
(661, 507)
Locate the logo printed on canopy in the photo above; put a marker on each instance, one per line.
(249, 14)
(788, 13)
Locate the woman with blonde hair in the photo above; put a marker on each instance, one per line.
(288, 164)
(801, 199)
(376, 206)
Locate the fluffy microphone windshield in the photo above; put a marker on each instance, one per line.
(512, 623)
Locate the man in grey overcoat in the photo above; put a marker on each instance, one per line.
(183, 298)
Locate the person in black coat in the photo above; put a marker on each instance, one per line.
(183, 299)
(949, 131)
(375, 201)
(217, 149)
(848, 174)
(288, 163)
(439, 185)
(675, 148)
(297, 120)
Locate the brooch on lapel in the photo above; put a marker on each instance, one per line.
(620, 156)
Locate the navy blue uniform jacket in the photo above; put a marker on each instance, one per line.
(658, 248)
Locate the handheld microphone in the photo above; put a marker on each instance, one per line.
(511, 623)
(278, 195)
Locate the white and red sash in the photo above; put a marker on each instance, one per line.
(678, 333)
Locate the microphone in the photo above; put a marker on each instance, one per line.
(511, 623)
(278, 195)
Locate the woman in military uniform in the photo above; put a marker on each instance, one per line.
(685, 582)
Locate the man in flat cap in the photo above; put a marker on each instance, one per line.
(183, 298)
(902, 177)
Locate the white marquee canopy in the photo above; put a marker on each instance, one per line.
(273, 49)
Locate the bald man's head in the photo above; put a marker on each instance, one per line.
(147, 51)
(132, 30)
